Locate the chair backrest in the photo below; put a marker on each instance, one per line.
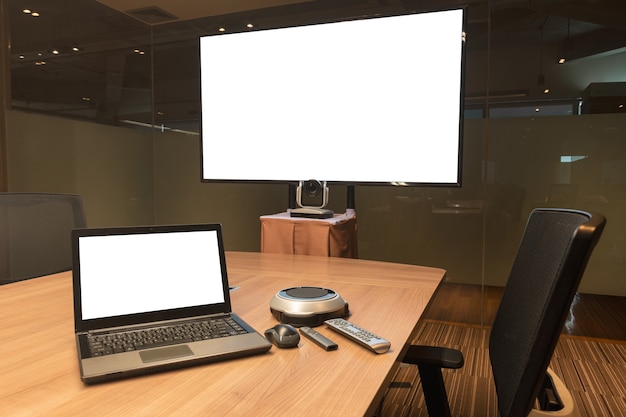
(550, 261)
(35, 233)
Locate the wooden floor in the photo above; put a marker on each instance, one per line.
(593, 371)
(593, 316)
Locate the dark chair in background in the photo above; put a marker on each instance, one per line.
(549, 264)
(35, 233)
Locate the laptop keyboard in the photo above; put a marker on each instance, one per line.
(109, 343)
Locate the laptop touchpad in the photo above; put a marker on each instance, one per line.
(162, 354)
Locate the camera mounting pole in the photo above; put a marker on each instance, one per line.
(312, 188)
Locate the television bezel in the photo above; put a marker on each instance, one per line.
(294, 182)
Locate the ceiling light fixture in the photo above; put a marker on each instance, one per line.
(30, 12)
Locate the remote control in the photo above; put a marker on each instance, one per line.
(318, 338)
(359, 335)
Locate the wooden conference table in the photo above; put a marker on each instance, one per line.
(39, 373)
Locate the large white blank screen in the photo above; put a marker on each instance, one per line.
(375, 100)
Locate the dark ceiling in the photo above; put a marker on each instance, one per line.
(142, 65)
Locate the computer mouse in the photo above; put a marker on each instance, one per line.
(283, 336)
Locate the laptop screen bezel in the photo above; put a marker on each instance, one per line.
(84, 325)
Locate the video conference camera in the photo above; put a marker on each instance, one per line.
(312, 189)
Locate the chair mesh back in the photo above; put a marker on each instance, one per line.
(546, 272)
(35, 233)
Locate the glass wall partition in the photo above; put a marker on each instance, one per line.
(80, 59)
(545, 125)
(562, 142)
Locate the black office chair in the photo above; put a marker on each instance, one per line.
(550, 261)
(35, 233)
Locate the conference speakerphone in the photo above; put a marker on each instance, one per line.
(307, 306)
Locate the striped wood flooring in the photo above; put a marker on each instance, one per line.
(594, 370)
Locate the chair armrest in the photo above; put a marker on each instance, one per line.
(434, 355)
(430, 360)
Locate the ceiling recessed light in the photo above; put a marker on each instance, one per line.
(27, 11)
(34, 14)
(55, 52)
(249, 25)
(75, 49)
(222, 29)
(562, 61)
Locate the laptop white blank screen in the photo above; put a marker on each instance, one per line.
(137, 273)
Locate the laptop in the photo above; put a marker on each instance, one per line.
(153, 298)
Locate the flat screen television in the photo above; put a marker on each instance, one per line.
(376, 100)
